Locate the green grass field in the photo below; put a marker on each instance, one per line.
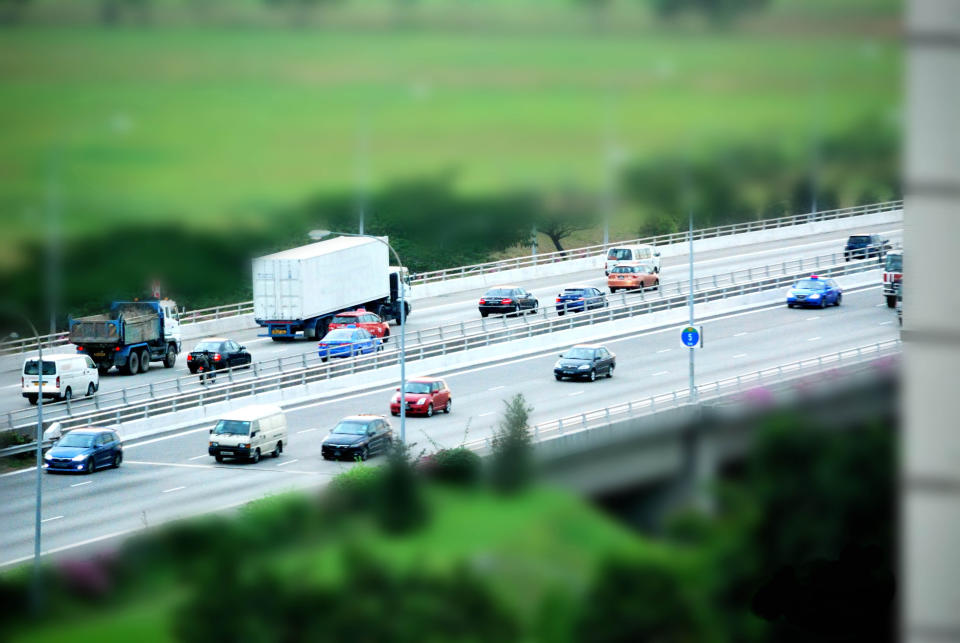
(214, 126)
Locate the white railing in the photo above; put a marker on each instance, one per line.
(246, 307)
(739, 384)
(658, 240)
(183, 392)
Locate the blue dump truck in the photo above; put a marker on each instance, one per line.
(130, 336)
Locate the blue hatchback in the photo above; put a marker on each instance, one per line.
(347, 342)
(579, 298)
(815, 291)
(84, 451)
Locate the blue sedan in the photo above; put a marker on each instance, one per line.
(347, 342)
(815, 291)
(84, 451)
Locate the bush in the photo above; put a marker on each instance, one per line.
(353, 490)
(459, 466)
(400, 505)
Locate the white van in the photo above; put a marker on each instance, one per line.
(64, 377)
(619, 254)
(249, 433)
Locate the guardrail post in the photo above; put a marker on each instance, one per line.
(124, 391)
(560, 426)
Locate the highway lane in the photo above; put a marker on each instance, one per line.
(429, 313)
(172, 476)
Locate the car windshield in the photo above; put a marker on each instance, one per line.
(351, 427)
(344, 319)
(210, 347)
(618, 254)
(498, 292)
(418, 387)
(231, 427)
(31, 368)
(811, 284)
(894, 263)
(579, 353)
(859, 239)
(340, 335)
(77, 440)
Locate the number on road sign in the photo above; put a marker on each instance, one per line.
(690, 336)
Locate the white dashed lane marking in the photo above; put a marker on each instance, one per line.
(174, 489)
(49, 519)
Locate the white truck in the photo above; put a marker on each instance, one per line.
(302, 289)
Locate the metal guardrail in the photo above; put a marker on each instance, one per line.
(705, 392)
(646, 406)
(658, 240)
(178, 396)
(245, 307)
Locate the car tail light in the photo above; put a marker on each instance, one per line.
(483, 301)
(21, 382)
(79, 349)
(506, 301)
(897, 277)
(116, 349)
(216, 357)
(58, 381)
(559, 300)
(579, 298)
(189, 357)
(885, 278)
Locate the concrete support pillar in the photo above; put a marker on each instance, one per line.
(930, 471)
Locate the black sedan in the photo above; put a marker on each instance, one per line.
(585, 361)
(84, 451)
(357, 437)
(507, 300)
(217, 353)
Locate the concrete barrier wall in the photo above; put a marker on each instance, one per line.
(389, 376)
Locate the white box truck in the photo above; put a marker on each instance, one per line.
(301, 289)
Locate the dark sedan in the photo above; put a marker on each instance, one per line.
(84, 451)
(585, 361)
(507, 300)
(579, 298)
(217, 353)
(357, 437)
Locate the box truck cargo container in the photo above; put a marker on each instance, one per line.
(301, 289)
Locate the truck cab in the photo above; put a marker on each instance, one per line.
(892, 276)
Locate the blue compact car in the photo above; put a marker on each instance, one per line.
(816, 292)
(84, 451)
(579, 298)
(347, 342)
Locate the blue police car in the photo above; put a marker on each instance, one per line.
(815, 291)
(347, 342)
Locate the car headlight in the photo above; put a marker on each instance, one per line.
(583, 367)
(244, 446)
(47, 456)
(80, 458)
(422, 400)
(396, 398)
(815, 296)
(214, 444)
(558, 364)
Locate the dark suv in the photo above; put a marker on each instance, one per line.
(864, 246)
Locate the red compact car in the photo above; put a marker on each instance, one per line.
(424, 396)
(362, 319)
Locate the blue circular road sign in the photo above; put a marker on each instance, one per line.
(690, 336)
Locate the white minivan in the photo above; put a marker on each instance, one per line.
(619, 254)
(248, 433)
(64, 377)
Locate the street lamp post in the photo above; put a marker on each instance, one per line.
(39, 499)
(320, 234)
